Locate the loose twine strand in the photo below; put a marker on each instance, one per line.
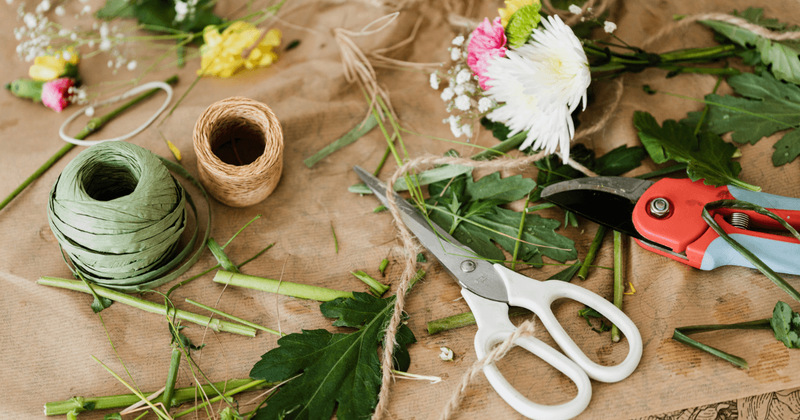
(497, 353)
(506, 163)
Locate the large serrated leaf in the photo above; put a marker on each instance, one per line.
(339, 371)
(492, 187)
(707, 155)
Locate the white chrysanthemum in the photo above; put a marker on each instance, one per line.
(609, 27)
(541, 84)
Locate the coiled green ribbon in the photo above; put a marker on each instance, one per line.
(118, 215)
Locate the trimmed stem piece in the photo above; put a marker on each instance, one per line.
(462, 320)
(214, 324)
(592, 253)
(286, 288)
(619, 287)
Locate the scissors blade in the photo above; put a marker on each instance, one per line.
(473, 274)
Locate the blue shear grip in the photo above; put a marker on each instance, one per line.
(779, 256)
(494, 327)
(769, 201)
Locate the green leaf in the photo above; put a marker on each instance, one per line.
(619, 161)
(767, 106)
(492, 187)
(755, 15)
(113, 416)
(499, 130)
(114, 9)
(782, 56)
(787, 148)
(340, 372)
(568, 273)
(707, 155)
(522, 23)
(786, 325)
(504, 225)
(421, 258)
(588, 313)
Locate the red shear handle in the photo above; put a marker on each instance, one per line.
(683, 229)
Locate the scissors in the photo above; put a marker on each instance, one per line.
(665, 217)
(489, 289)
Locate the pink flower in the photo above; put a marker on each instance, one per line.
(55, 93)
(488, 41)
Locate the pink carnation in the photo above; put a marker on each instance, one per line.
(488, 41)
(55, 93)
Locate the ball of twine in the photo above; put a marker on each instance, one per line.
(238, 185)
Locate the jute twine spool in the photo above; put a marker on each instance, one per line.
(228, 126)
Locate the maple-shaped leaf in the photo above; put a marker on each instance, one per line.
(338, 371)
(708, 156)
(765, 107)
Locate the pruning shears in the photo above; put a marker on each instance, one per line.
(489, 289)
(666, 217)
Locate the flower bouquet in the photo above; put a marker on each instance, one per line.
(528, 70)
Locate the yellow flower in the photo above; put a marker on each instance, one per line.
(222, 53)
(511, 7)
(50, 67)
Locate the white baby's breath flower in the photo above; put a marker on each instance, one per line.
(181, 9)
(462, 102)
(454, 125)
(30, 20)
(67, 55)
(484, 104)
(609, 27)
(459, 40)
(467, 130)
(463, 76)
(446, 354)
(60, 11)
(541, 83)
(447, 94)
(89, 111)
(110, 63)
(132, 65)
(9, 2)
(575, 9)
(43, 6)
(455, 53)
(105, 45)
(73, 36)
(86, 10)
(435, 81)
(459, 89)
(104, 31)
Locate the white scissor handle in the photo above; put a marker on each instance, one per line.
(538, 296)
(494, 327)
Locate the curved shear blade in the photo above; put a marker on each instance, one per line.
(479, 277)
(608, 201)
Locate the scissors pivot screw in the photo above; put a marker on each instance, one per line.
(659, 207)
(468, 266)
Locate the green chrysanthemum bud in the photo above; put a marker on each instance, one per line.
(522, 24)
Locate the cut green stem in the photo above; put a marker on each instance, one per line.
(500, 149)
(619, 288)
(382, 267)
(172, 376)
(214, 324)
(181, 396)
(377, 288)
(286, 288)
(519, 233)
(464, 319)
(592, 253)
(237, 319)
(335, 241)
(680, 335)
(92, 126)
(252, 384)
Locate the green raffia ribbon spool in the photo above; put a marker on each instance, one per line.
(118, 215)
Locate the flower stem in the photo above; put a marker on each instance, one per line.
(214, 324)
(253, 383)
(237, 319)
(377, 288)
(181, 395)
(593, 248)
(172, 377)
(286, 288)
(519, 233)
(619, 288)
(680, 335)
(92, 126)
(462, 320)
(504, 146)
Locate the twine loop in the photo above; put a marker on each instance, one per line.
(228, 121)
